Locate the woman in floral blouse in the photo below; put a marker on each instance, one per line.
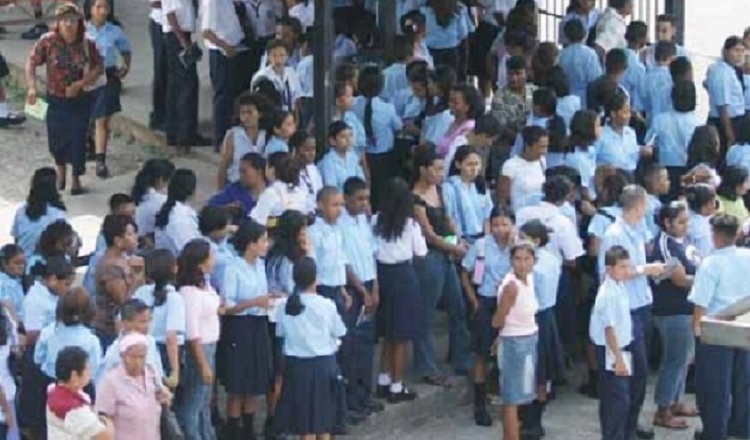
(74, 67)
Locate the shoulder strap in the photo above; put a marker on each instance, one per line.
(606, 214)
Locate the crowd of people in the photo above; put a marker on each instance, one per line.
(559, 202)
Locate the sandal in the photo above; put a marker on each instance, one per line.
(683, 410)
(670, 422)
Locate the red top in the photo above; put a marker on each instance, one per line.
(66, 62)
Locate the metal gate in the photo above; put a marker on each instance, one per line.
(552, 12)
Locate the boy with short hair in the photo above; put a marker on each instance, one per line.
(656, 93)
(666, 30)
(579, 62)
(637, 37)
(284, 78)
(341, 162)
(599, 90)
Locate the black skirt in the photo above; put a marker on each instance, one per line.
(550, 356)
(107, 97)
(32, 395)
(399, 310)
(313, 398)
(483, 335)
(248, 357)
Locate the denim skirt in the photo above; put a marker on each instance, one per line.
(518, 361)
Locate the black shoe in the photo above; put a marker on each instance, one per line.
(482, 417)
(404, 396)
(12, 119)
(589, 390)
(354, 418)
(644, 433)
(373, 406)
(102, 171)
(35, 32)
(382, 391)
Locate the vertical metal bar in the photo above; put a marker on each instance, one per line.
(677, 9)
(388, 20)
(323, 71)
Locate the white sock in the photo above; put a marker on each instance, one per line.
(4, 112)
(384, 379)
(397, 387)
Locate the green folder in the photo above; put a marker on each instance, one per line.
(38, 110)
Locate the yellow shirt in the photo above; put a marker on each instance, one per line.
(734, 208)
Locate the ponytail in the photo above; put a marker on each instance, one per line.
(181, 187)
(162, 217)
(368, 122)
(294, 304)
(304, 275)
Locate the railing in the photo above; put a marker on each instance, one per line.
(552, 12)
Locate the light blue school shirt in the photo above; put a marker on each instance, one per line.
(656, 93)
(101, 243)
(600, 223)
(328, 251)
(567, 106)
(699, 234)
(632, 80)
(360, 138)
(305, 72)
(618, 150)
(720, 279)
(569, 211)
(11, 290)
(245, 281)
(583, 160)
(448, 37)
(224, 253)
(56, 336)
(112, 359)
(394, 80)
(588, 21)
(110, 41)
(279, 275)
(724, 89)
(313, 333)
(168, 317)
(343, 48)
(531, 121)
(651, 60)
(404, 100)
(611, 309)
(359, 245)
(435, 127)
(275, 145)
(27, 232)
(385, 124)
(633, 240)
(335, 170)
(739, 155)
(554, 160)
(653, 205)
(466, 206)
(39, 307)
(672, 132)
(496, 264)
(547, 272)
(581, 66)
(746, 79)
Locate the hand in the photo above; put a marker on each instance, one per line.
(230, 51)
(621, 369)
(654, 269)
(474, 304)
(647, 151)
(31, 96)
(347, 299)
(164, 396)
(207, 375)
(460, 250)
(172, 380)
(375, 295)
(74, 89)
(367, 300)
(222, 310)
(123, 72)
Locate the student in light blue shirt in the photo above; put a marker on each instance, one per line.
(344, 94)
(394, 76)
(656, 93)
(447, 34)
(74, 314)
(544, 111)
(284, 128)
(655, 179)
(289, 246)
(586, 13)
(43, 206)
(666, 30)
(359, 241)
(579, 62)
(567, 103)
(618, 145)
(40, 304)
(305, 73)
(167, 308)
(726, 95)
(719, 368)
(637, 36)
(214, 223)
(466, 196)
(438, 117)
(739, 153)
(585, 130)
(12, 269)
(702, 202)
(341, 162)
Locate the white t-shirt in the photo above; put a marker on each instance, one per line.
(262, 15)
(304, 13)
(286, 84)
(277, 198)
(526, 179)
(220, 17)
(183, 10)
(409, 244)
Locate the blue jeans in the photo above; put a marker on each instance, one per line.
(193, 399)
(438, 280)
(677, 343)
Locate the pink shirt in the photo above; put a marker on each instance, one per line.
(461, 130)
(521, 319)
(202, 314)
(131, 404)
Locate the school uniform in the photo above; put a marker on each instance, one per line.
(526, 178)
(262, 17)
(467, 206)
(306, 74)
(400, 308)
(567, 107)
(488, 264)
(277, 198)
(739, 155)
(39, 309)
(228, 75)
(444, 42)
(146, 210)
(519, 337)
(275, 145)
(653, 206)
(304, 11)
(610, 30)
(724, 89)
(656, 93)
(359, 342)
(649, 60)
(328, 251)
(335, 169)
(394, 79)
(721, 373)
(312, 181)
(633, 239)
(581, 66)
(360, 137)
(182, 80)
(247, 347)
(166, 318)
(344, 49)
(313, 399)
(435, 127)
(550, 353)
(617, 399)
(11, 290)
(589, 24)
(379, 148)
(110, 41)
(224, 255)
(158, 117)
(55, 337)
(619, 150)
(671, 132)
(26, 231)
(633, 79)
(699, 234)
(287, 84)
(583, 160)
(181, 227)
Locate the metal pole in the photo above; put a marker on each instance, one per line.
(323, 71)
(388, 23)
(677, 9)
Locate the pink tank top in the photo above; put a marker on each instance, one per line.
(521, 319)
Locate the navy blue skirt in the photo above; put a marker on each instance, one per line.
(399, 309)
(550, 357)
(67, 126)
(277, 350)
(107, 97)
(313, 398)
(32, 395)
(483, 334)
(248, 362)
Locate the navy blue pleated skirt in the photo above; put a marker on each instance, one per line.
(248, 362)
(400, 303)
(482, 334)
(551, 357)
(32, 396)
(313, 398)
(277, 345)
(107, 98)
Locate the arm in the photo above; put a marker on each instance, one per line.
(227, 156)
(175, 25)
(698, 314)
(353, 280)
(471, 293)
(510, 292)
(726, 120)
(420, 214)
(211, 36)
(196, 347)
(503, 190)
(30, 73)
(620, 367)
